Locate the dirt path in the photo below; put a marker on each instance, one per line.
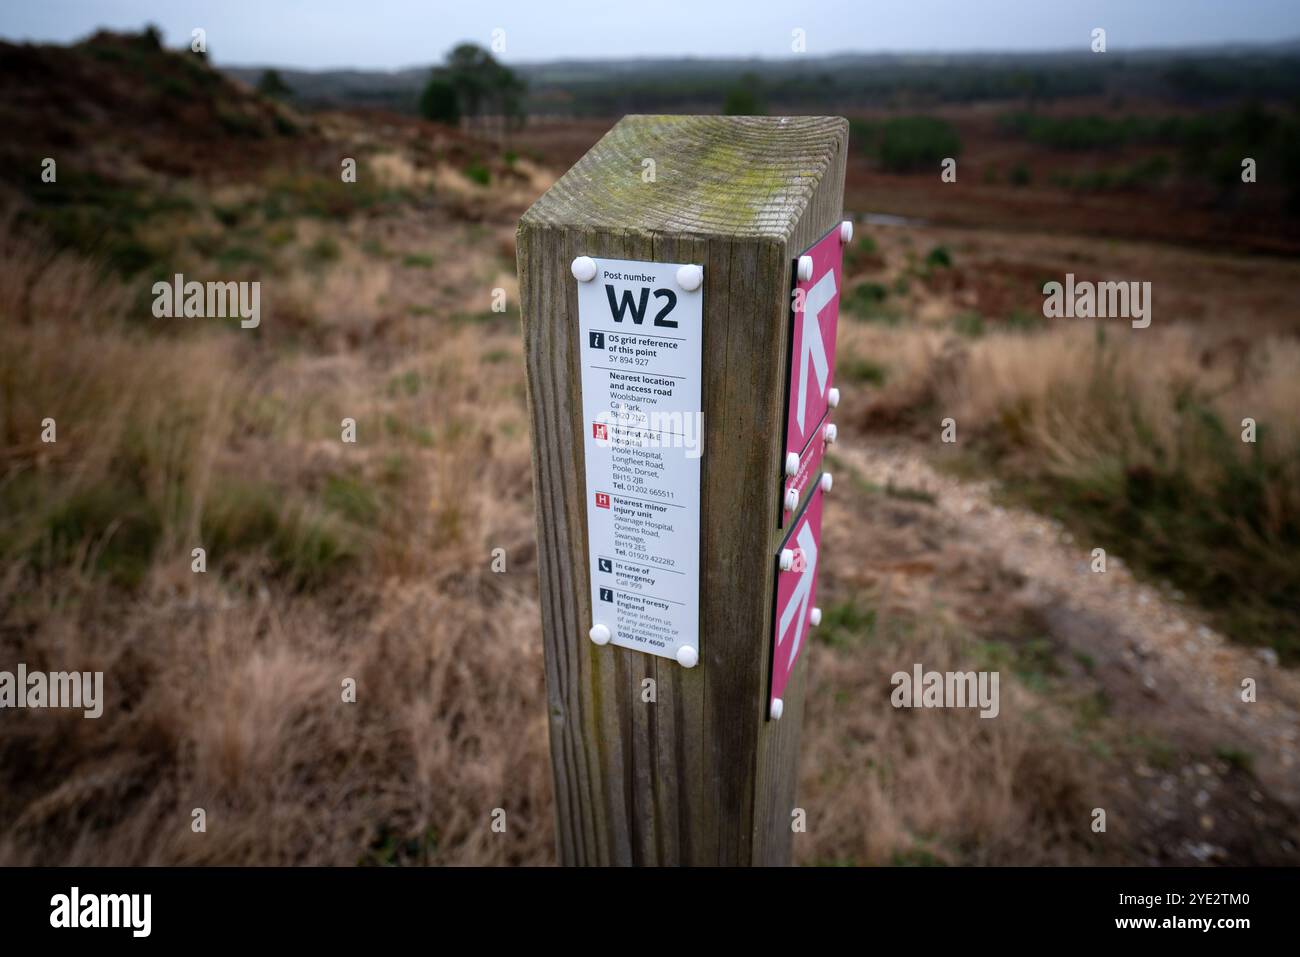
(1229, 767)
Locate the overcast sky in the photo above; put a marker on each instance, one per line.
(386, 34)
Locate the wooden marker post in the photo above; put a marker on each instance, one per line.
(689, 767)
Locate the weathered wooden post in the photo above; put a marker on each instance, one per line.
(656, 563)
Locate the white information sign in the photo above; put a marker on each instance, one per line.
(640, 334)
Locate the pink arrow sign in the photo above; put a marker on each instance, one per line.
(796, 592)
(812, 365)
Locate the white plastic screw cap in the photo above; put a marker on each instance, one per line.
(827, 481)
(690, 277)
(584, 269)
(687, 656)
(831, 433)
(833, 398)
(778, 708)
(846, 231)
(600, 634)
(787, 559)
(815, 617)
(792, 464)
(805, 268)
(791, 499)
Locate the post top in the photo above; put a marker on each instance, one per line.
(743, 176)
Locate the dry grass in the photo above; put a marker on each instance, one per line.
(326, 562)
(235, 706)
(372, 562)
(1073, 399)
(1141, 443)
(1134, 437)
(329, 561)
(889, 786)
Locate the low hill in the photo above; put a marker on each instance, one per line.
(114, 95)
(157, 154)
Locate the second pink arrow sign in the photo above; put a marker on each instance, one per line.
(796, 594)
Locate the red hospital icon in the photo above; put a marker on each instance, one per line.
(602, 500)
(599, 430)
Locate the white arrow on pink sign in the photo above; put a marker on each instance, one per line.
(813, 339)
(796, 593)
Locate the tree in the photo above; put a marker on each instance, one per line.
(471, 71)
(509, 92)
(272, 84)
(439, 102)
(479, 83)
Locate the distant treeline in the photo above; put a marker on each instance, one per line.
(1209, 144)
(1208, 147)
(1249, 124)
(610, 88)
(604, 90)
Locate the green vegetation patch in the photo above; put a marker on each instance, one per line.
(1230, 541)
(846, 624)
(908, 144)
(307, 546)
